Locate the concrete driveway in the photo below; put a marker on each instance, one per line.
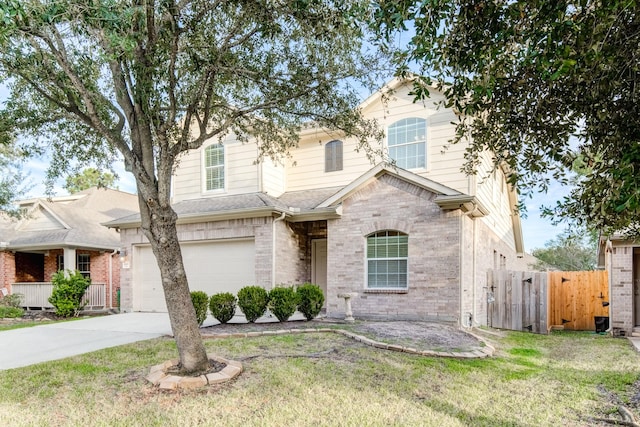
(27, 346)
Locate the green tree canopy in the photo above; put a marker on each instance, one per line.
(570, 251)
(13, 180)
(152, 79)
(89, 177)
(528, 76)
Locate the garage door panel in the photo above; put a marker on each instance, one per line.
(212, 267)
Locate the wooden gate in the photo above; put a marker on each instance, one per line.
(536, 301)
(517, 300)
(576, 298)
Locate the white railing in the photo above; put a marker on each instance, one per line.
(36, 295)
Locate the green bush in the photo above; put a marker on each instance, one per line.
(283, 302)
(310, 300)
(253, 302)
(8, 311)
(67, 292)
(200, 302)
(223, 306)
(11, 300)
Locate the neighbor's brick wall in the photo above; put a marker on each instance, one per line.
(258, 228)
(622, 286)
(434, 253)
(51, 263)
(7, 269)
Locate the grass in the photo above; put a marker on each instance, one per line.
(328, 379)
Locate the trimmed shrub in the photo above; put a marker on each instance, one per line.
(67, 292)
(223, 306)
(7, 311)
(310, 300)
(11, 300)
(283, 302)
(200, 301)
(253, 302)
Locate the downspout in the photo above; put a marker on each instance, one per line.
(473, 313)
(273, 250)
(111, 277)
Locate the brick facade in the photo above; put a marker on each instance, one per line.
(7, 269)
(260, 229)
(449, 253)
(622, 290)
(434, 253)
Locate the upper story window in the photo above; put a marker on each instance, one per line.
(387, 258)
(333, 156)
(214, 167)
(407, 140)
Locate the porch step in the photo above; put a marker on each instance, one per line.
(636, 331)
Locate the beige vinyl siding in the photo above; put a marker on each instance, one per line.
(241, 174)
(273, 177)
(442, 165)
(306, 169)
(39, 221)
(493, 193)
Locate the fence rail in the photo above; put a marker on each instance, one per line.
(36, 295)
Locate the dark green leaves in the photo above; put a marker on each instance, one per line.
(536, 82)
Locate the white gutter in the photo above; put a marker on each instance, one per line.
(273, 249)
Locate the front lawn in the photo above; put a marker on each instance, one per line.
(326, 379)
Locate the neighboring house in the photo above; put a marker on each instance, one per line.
(414, 240)
(621, 258)
(64, 233)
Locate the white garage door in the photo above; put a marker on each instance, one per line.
(219, 266)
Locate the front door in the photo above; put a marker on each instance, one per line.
(636, 286)
(319, 265)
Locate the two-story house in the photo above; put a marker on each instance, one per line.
(414, 240)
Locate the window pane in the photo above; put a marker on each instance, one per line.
(387, 265)
(406, 142)
(214, 167)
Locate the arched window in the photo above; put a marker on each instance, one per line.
(333, 156)
(214, 167)
(407, 140)
(387, 260)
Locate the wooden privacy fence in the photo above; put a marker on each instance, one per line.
(577, 297)
(537, 301)
(517, 300)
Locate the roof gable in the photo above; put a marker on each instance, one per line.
(40, 218)
(382, 169)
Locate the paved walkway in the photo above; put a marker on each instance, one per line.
(636, 342)
(27, 346)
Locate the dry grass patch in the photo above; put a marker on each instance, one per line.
(326, 379)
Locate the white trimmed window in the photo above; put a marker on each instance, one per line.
(333, 156)
(83, 264)
(407, 140)
(214, 167)
(387, 260)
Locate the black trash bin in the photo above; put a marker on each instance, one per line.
(602, 323)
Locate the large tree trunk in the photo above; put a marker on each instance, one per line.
(159, 225)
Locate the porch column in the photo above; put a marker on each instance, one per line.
(69, 259)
